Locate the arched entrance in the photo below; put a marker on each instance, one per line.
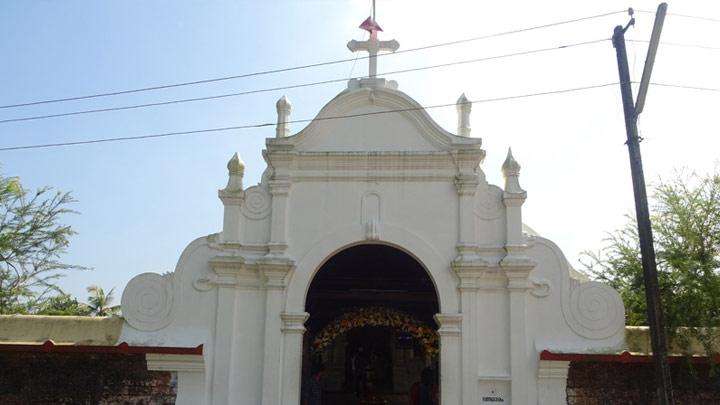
(371, 326)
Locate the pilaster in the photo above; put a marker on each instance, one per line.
(521, 373)
(275, 272)
(279, 189)
(517, 267)
(469, 273)
(293, 329)
(466, 182)
(552, 382)
(190, 371)
(466, 185)
(468, 306)
(450, 332)
(227, 270)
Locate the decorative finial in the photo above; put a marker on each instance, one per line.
(284, 108)
(510, 167)
(283, 104)
(372, 46)
(236, 171)
(511, 172)
(464, 106)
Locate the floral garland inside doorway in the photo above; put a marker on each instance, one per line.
(378, 316)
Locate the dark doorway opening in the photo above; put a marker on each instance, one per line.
(367, 361)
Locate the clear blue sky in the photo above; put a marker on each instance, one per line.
(141, 202)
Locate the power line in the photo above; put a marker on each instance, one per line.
(295, 86)
(680, 86)
(694, 17)
(717, 20)
(269, 124)
(678, 44)
(312, 65)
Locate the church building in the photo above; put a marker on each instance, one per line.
(373, 248)
(372, 264)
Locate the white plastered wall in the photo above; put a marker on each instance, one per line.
(396, 179)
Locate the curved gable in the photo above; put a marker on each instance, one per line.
(377, 119)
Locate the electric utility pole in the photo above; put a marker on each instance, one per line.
(663, 384)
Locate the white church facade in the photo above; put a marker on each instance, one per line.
(372, 228)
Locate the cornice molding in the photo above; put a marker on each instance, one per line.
(553, 369)
(450, 324)
(276, 271)
(231, 197)
(294, 322)
(175, 362)
(466, 184)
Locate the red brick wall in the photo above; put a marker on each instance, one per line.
(86, 378)
(625, 384)
(82, 378)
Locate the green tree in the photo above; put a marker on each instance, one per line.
(63, 304)
(686, 229)
(32, 241)
(99, 302)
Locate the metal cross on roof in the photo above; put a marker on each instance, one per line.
(372, 46)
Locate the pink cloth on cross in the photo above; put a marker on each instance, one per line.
(370, 25)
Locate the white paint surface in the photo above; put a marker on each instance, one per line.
(395, 179)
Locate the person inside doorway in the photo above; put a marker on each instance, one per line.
(425, 392)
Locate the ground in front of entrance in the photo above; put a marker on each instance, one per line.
(350, 399)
